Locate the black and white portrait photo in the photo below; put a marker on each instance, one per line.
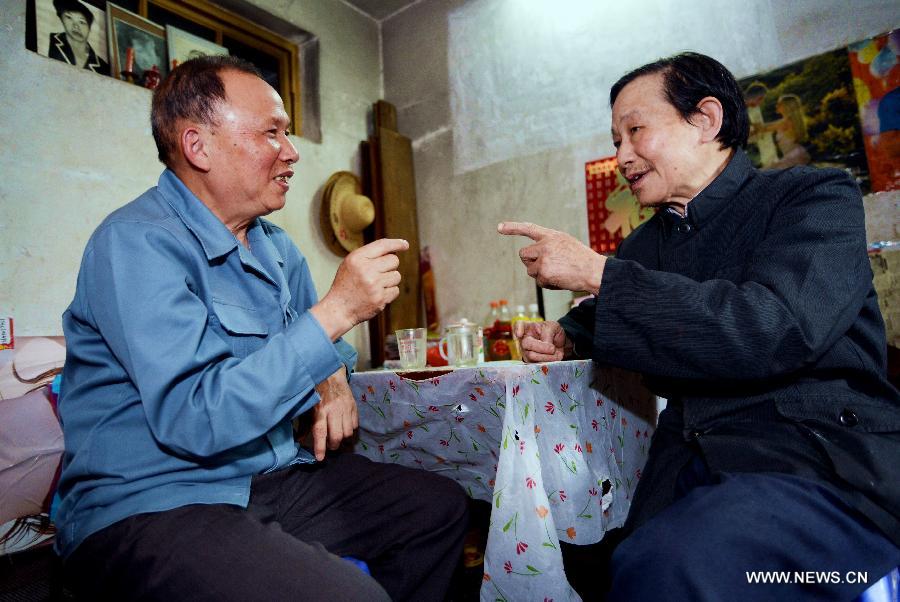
(73, 32)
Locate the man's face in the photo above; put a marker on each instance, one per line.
(657, 150)
(76, 26)
(250, 153)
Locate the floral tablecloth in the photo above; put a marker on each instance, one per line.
(556, 448)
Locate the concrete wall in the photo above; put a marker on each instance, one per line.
(76, 146)
(506, 100)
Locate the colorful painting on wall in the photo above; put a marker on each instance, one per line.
(806, 114)
(613, 211)
(876, 79)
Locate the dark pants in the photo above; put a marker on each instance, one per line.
(724, 526)
(407, 525)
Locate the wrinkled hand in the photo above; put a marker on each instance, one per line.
(557, 260)
(335, 417)
(542, 341)
(366, 281)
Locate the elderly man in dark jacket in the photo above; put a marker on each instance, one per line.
(747, 301)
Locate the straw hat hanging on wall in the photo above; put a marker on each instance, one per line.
(345, 213)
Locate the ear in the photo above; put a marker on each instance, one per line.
(192, 143)
(709, 118)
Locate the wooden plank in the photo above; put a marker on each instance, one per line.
(398, 189)
(385, 115)
(368, 152)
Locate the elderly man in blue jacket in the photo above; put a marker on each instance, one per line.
(193, 341)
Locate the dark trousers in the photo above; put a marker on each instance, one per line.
(407, 525)
(722, 527)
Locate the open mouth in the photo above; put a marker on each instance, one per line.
(635, 178)
(284, 177)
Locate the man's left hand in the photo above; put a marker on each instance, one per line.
(557, 260)
(335, 417)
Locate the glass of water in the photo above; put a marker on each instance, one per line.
(412, 345)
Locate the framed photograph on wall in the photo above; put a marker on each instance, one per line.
(184, 46)
(70, 31)
(805, 113)
(145, 39)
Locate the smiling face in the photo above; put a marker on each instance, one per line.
(658, 151)
(76, 26)
(249, 151)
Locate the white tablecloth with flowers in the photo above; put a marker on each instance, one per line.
(556, 448)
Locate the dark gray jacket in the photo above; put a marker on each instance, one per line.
(755, 316)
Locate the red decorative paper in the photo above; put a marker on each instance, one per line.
(613, 211)
(875, 64)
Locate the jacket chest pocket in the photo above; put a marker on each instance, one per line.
(241, 327)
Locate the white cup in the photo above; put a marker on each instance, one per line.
(412, 345)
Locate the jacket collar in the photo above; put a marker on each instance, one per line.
(715, 197)
(62, 44)
(215, 238)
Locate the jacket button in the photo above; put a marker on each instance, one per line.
(848, 418)
(683, 227)
(695, 434)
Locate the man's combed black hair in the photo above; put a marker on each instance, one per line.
(690, 77)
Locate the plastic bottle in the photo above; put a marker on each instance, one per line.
(487, 327)
(533, 314)
(500, 343)
(492, 316)
(519, 316)
(500, 340)
(505, 314)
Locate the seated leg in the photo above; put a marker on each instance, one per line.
(215, 553)
(407, 525)
(713, 544)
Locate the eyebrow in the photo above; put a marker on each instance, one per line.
(631, 113)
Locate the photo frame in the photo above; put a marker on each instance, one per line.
(47, 33)
(184, 46)
(805, 113)
(146, 39)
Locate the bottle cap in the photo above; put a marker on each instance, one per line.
(532, 307)
(503, 301)
(520, 309)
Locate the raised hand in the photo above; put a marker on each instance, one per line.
(366, 281)
(557, 260)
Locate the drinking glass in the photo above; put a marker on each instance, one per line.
(412, 345)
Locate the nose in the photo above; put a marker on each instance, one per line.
(624, 154)
(289, 152)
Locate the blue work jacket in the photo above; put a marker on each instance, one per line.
(187, 357)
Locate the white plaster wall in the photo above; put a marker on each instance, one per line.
(76, 146)
(506, 100)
